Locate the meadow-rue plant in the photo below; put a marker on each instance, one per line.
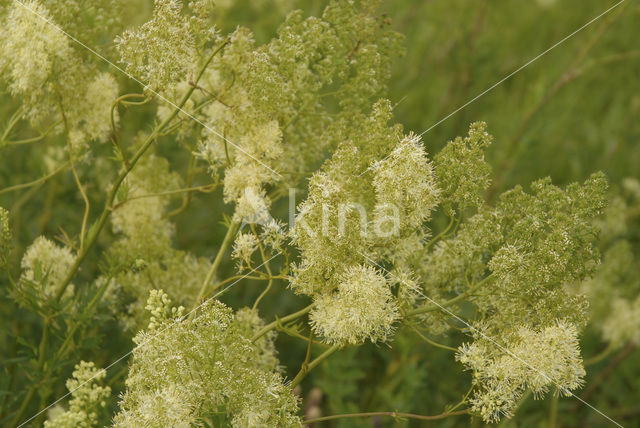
(160, 248)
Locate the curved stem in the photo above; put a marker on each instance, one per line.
(441, 234)
(306, 368)
(114, 106)
(85, 198)
(390, 414)
(599, 356)
(431, 342)
(15, 118)
(35, 182)
(40, 137)
(267, 267)
(186, 198)
(207, 188)
(293, 333)
(461, 402)
(279, 321)
(95, 231)
(434, 306)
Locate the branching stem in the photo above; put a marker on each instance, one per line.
(226, 243)
(397, 415)
(307, 367)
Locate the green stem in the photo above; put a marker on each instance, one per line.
(15, 118)
(553, 411)
(279, 321)
(94, 301)
(306, 368)
(265, 262)
(40, 137)
(42, 349)
(85, 198)
(441, 234)
(95, 231)
(294, 333)
(23, 407)
(390, 414)
(207, 188)
(226, 243)
(433, 306)
(600, 356)
(431, 342)
(35, 182)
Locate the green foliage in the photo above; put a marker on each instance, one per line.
(419, 274)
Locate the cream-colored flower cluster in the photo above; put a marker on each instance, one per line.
(161, 52)
(45, 265)
(527, 359)
(87, 398)
(361, 308)
(186, 370)
(54, 78)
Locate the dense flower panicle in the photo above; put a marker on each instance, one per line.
(31, 48)
(32, 51)
(161, 52)
(91, 20)
(232, 379)
(613, 222)
(530, 247)
(159, 306)
(548, 243)
(614, 307)
(252, 207)
(87, 398)
(280, 92)
(334, 227)
(361, 308)
(54, 79)
(529, 359)
(46, 265)
(274, 235)
(95, 122)
(461, 170)
(405, 180)
(248, 322)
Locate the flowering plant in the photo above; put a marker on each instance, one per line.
(172, 137)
